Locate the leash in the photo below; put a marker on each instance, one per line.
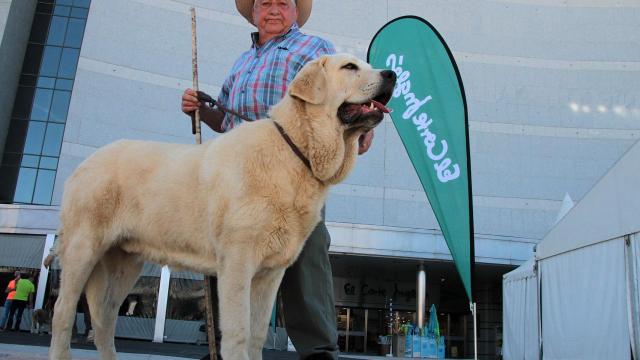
(204, 97)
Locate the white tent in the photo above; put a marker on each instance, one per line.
(520, 313)
(588, 269)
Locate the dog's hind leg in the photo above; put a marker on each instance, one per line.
(234, 289)
(111, 281)
(264, 288)
(77, 263)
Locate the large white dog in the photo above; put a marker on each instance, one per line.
(239, 207)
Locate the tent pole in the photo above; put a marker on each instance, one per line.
(539, 299)
(632, 305)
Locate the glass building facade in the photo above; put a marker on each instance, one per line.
(34, 140)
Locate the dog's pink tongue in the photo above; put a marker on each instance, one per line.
(381, 107)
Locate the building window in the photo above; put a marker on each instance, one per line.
(34, 140)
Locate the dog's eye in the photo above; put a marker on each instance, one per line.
(350, 66)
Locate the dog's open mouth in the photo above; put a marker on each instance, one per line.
(366, 108)
(360, 114)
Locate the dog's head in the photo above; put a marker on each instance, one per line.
(332, 101)
(348, 85)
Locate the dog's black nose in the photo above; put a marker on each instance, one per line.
(388, 74)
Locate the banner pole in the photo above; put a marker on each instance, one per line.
(474, 312)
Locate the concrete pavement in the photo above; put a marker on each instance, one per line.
(30, 352)
(27, 346)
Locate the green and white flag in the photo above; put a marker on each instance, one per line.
(430, 114)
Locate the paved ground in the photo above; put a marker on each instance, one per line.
(13, 345)
(27, 346)
(27, 352)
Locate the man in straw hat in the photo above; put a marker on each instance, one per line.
(258, 80)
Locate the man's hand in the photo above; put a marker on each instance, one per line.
(364, 142)
(190, 101)
(212, 117)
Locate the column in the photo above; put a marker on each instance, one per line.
(163, 295)
(44, 272)
(421, 287)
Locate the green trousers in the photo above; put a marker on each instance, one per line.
(308, 300)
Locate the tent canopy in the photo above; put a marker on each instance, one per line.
(610, 210)
(526, 270)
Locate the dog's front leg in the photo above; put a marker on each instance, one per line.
(264, 288)
(234, 290)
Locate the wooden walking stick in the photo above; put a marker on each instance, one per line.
(194, 67)
(196, 127)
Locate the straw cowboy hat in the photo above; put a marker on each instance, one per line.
(245, 7)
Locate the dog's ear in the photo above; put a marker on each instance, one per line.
(310, 84)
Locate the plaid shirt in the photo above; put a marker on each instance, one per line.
(260, 77)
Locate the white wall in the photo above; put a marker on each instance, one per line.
(551, 89)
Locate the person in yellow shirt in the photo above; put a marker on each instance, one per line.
(10, 291)
(22, 298)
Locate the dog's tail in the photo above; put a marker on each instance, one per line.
(55, 250)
